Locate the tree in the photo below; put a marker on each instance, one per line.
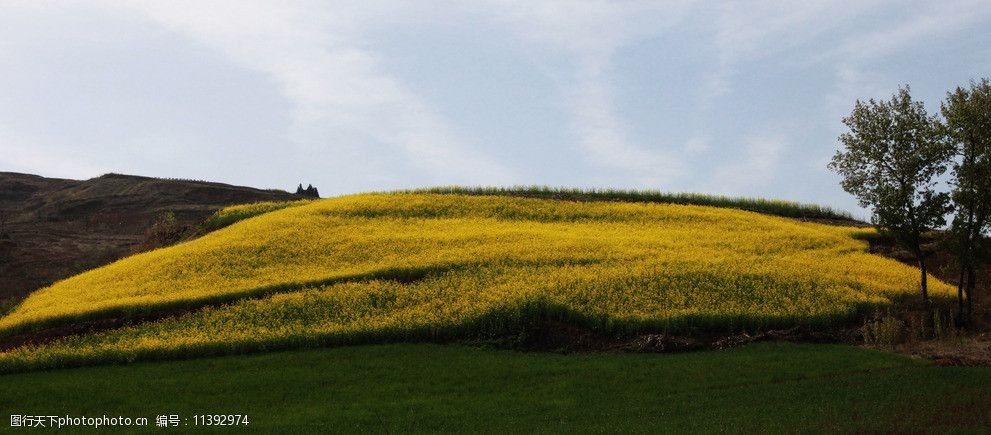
(968, 126)
(893, 154)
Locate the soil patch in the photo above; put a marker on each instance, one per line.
(561, 337)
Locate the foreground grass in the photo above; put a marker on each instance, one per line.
(768, 387)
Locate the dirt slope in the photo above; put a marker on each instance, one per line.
(56, 228)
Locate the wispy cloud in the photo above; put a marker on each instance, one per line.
(603, 136)
(342, 94)
(747, 31)
(826, 35)
(759, 159)
(372, 93)
(589, 33)
(853, 56)
(825, 30)
(924, 21)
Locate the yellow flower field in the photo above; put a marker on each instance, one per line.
(423, 265)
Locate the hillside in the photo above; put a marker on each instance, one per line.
(56, 228)
(416, 266)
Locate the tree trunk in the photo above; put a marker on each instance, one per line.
(961, 317)
(971, 283)
(964, 258)
(925, 283)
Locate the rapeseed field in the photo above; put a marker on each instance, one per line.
(761, 205)
(235, 213)
(417, 266)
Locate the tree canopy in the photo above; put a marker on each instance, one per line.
(891, 159)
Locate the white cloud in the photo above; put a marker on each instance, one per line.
(822, 34)
(602, 134)
(756, 166)
(751, 30)
(352, 104)
(746, 29)
(343, 96)
(853, 56)
(590, 28)
(589, 32)
(927, 20)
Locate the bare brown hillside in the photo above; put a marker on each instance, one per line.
(55, 228)
(943, 265)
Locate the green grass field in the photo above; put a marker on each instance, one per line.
(767, 387)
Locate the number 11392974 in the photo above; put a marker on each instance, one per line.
(220, 420)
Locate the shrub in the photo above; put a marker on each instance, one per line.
(883, 330)
(166, 231)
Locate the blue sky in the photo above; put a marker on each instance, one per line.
(737, 98)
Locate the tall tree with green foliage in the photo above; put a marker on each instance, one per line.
(891, 159)
(967, 112)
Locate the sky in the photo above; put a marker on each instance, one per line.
(736, 98)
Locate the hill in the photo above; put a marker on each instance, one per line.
(56, 228)
(417, 266)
